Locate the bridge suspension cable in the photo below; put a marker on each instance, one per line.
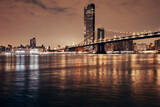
(122, 32)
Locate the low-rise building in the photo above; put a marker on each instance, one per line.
(140, 47)
(157, 44)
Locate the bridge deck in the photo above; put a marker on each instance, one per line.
(125, 38)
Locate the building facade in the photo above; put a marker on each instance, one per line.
(152, 47)
(140, 47)
(2, 49)
(127, 45)
(89, 23)
(120, 46)
(157, 44)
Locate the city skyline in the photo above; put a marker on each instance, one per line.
(55, 23)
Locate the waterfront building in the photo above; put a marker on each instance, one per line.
(120, 46)
(109, 46)
(140, 47)
(151, 46)
(157, 44)
(26, 51)
(41, 48)
(127, 45)
(2, 49)
(89, 23)
(29, 49)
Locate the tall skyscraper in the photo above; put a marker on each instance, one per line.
(89, 23)
(33, 43)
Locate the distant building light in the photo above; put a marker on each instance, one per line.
(19, 51)
(34, 51)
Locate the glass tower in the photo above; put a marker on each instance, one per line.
(89, 23)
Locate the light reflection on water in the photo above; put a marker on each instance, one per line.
(86, 80)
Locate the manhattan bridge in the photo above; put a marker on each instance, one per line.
(98, 44)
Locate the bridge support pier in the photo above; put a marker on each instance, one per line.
(101, 48)
(71, 49)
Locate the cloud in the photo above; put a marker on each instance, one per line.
(36, 2)
(50, 5)
(65, 17)
(59, 9)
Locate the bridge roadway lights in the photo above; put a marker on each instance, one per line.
(79, 49)
(100, 48)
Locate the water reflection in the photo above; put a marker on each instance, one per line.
(10, 63)
(20, 62)
(34, 62)
(92, 80)
(34, 75)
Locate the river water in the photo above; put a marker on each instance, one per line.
(80, 80)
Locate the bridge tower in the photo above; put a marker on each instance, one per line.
(100, 38)
(100, 48)
(100, 34)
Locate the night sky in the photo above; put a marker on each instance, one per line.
(60, 22)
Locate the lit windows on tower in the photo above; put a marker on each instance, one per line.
(89, 23)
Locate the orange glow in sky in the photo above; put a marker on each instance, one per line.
(60, 22)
